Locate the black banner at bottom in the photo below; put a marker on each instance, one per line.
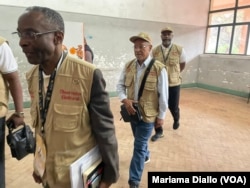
(198, 179)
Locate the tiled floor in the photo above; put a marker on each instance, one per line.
(213, 136)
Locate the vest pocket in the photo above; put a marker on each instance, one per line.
(150, 84)
(62, 175)
(173, 61)
(128, 80)
(60, 169)
(174, 78)
(66, 119)
(149, 109)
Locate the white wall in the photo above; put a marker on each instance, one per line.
(226, 73)
(191, 12)
(108, 25)
(75, 38)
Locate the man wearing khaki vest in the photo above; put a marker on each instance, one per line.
(9, 82)
(151, 101)
(70, 107)
(173, 56)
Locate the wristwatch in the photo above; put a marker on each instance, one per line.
(19, 114)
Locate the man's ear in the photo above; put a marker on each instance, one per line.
(59, 36)
(150, 46)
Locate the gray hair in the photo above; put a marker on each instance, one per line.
(52, 17)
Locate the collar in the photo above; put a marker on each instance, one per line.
(146, 62)
(164, 48)
(58, 65)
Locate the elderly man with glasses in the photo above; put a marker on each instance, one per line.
(70, 108)
(151, 100)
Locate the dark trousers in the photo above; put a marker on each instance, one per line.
(46, 186)
(173, 105)
(2, 159)
(173, 102)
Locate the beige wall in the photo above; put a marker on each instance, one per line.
(108, 25)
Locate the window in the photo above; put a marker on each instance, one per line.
(228, 29)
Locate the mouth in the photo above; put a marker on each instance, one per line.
(28, 54)
(138, 55)
(31, 56)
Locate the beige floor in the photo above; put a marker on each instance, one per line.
(213, 136)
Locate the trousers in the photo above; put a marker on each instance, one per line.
(2, 158)
(173, 105)
(173, 102)
(141, 132)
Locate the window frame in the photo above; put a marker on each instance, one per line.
(234, 24)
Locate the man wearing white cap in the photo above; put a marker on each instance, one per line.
(173, 56)
(152, 104)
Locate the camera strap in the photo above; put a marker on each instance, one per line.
(166, 57)
(144, 78)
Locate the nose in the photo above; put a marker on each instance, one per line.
(23, 42)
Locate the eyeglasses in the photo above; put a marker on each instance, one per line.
(140, 47)
(31, 35)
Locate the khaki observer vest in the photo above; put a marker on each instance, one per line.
(67, 128)
(172, 63)
(149, 101)
(4, 91)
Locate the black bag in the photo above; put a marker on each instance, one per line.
(128, 118)
(124, 114)
(137, 117)
(21, 142)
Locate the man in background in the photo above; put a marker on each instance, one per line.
(152, 104)
(174, 57)
(89, 55)
(9, 82)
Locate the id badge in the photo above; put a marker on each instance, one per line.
(40, 156)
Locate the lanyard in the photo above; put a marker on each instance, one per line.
(166, 58)
(44, 105)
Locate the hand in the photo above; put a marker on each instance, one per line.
(37, 178)
(129, 106)
(104, 185)
(17, 120)
(158, 122)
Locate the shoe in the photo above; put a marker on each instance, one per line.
(156, 136)
(176, 125)
(147, 160)
(132, 185)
